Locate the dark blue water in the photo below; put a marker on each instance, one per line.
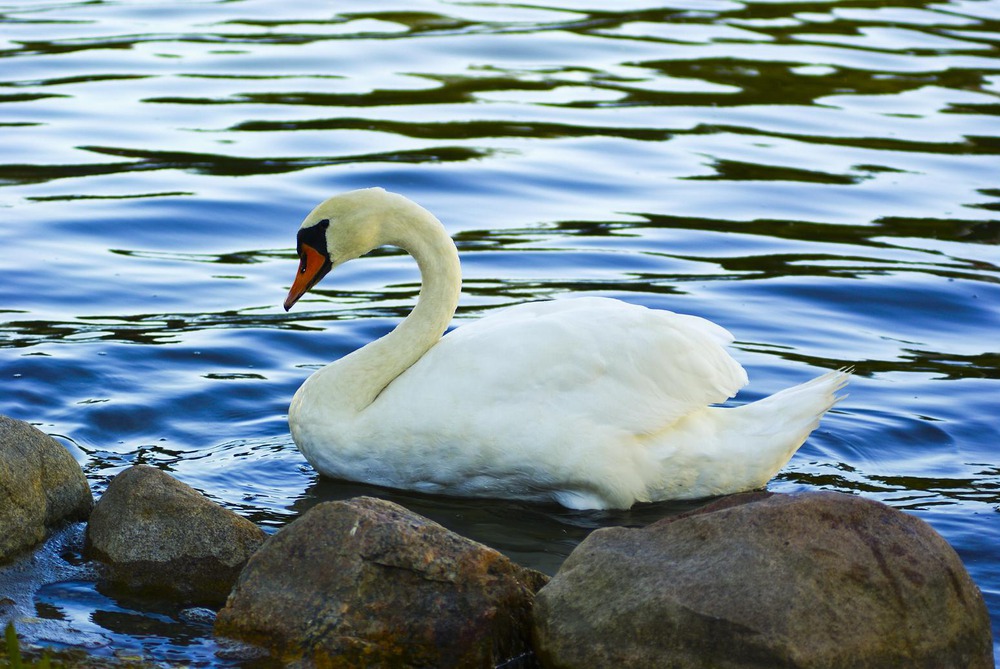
(823, 179)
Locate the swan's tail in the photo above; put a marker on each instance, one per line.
(742, 448)
(776, 426)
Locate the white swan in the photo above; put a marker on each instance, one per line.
(591, 402)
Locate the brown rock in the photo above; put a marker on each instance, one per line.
(759, 580)
(154, 532)
(368, 583)
(41, 485)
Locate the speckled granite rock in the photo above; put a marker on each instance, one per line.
(154, 532)
(41, 485)
(759, 580)
(367, 583)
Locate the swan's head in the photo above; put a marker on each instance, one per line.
(345, 227)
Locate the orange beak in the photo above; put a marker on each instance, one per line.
(313, 266)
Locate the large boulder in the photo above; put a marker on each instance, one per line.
(368, 583)
(815, 579)
(41, 485)
(154, 532)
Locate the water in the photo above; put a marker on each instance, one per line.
(821, 178)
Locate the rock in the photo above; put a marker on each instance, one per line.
(759, 580)
(41, 485)
(368, 583)
(154, 532)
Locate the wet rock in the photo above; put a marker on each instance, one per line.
(759, 580)
(41, 485)
(154, 532)
(368, 583)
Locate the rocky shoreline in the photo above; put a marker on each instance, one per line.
(816, 579)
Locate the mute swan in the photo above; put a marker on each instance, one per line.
(591, 402)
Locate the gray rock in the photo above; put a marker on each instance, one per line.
(154, 532)
(41, 485)
(759, 580)
(368, 583)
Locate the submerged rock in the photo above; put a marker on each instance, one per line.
(368, 583)
(154, 532)
(759, 580)
(41, 485)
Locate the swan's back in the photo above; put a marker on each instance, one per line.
(610, 361)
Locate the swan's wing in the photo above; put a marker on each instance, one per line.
(593, 359)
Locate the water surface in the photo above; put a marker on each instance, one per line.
(820, 178)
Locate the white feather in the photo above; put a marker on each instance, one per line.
(590, 402)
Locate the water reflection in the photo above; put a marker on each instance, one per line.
(538, 536)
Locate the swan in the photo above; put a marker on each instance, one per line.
(589, 402)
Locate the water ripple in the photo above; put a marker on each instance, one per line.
(819, 178)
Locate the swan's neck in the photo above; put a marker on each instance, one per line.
(355, 381)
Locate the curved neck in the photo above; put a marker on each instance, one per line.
(355, 381)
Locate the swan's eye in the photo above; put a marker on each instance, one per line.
(314, 236)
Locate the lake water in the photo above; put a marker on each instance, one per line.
(821, 178)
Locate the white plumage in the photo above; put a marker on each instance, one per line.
(590, 402)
